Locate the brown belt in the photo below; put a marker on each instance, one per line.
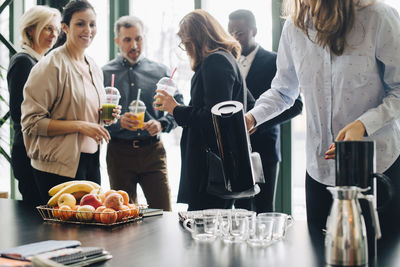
(137, 143)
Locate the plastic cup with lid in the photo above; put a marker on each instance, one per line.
(109, 102)
(139, 110)
(168, 85)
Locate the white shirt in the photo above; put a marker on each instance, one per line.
(246, 61)
(29, 50)
(362, 84)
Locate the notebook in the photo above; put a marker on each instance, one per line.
(67, 252)
(26, 251)
(69, 256)
(72, 260)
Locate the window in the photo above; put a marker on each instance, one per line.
(5, 129)
(161, 41)
(99, 48)
(161, 45)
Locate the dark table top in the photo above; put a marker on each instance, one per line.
(162, 241)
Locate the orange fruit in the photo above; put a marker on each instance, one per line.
(74, 209)
(108, 216)
(124, 195)
(109, 192)
(123, 212)
(134, 210)
(65, 212)
(98, 213)
(56, 212)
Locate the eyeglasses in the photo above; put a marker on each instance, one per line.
(182, 46)
(51, 29)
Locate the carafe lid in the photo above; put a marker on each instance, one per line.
(227, 108)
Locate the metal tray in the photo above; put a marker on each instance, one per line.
(54, 215)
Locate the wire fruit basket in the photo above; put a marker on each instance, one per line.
(132, 214)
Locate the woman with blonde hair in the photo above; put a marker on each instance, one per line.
(344, 54)
(61, 122)
(39, 28)
(213, 54)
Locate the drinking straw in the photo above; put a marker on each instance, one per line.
(112, 79)
(137, 99)
(112, 85)
(172, 75)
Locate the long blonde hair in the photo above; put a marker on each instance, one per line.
(205, 35)
(332, 19)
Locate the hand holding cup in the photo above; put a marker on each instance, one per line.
(110, 109)
(165, 87)
(164, 102)
(115, 114)
(134, 119)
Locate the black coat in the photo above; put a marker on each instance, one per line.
(18, 71)
(215, 80)
(266, 140)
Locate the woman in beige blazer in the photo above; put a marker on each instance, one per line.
(61, 121)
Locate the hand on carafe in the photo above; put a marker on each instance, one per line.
(353, 131)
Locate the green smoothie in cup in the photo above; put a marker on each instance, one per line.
(109, 102)
(107, 110)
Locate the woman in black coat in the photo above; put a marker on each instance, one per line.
(39, 28)
(213, 54)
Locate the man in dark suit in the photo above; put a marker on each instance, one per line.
(258, 67)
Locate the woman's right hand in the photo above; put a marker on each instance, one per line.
(94, 131)
(164, 102)
(250, 122)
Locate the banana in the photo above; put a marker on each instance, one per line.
(73, 187)
(95, 185)
(55, 189)
(58, 187)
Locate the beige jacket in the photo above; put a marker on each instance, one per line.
(54, 90)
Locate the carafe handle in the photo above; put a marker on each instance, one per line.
(388, 183)
(374, 213)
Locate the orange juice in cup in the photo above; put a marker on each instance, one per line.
(139, 110)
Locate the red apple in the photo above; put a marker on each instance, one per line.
(66, 199)
(100, 193)
(114, 201)
(92, 200)
(85, 213)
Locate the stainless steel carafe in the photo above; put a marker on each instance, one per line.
(346, 237)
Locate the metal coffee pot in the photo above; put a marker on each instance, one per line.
(346, 236)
